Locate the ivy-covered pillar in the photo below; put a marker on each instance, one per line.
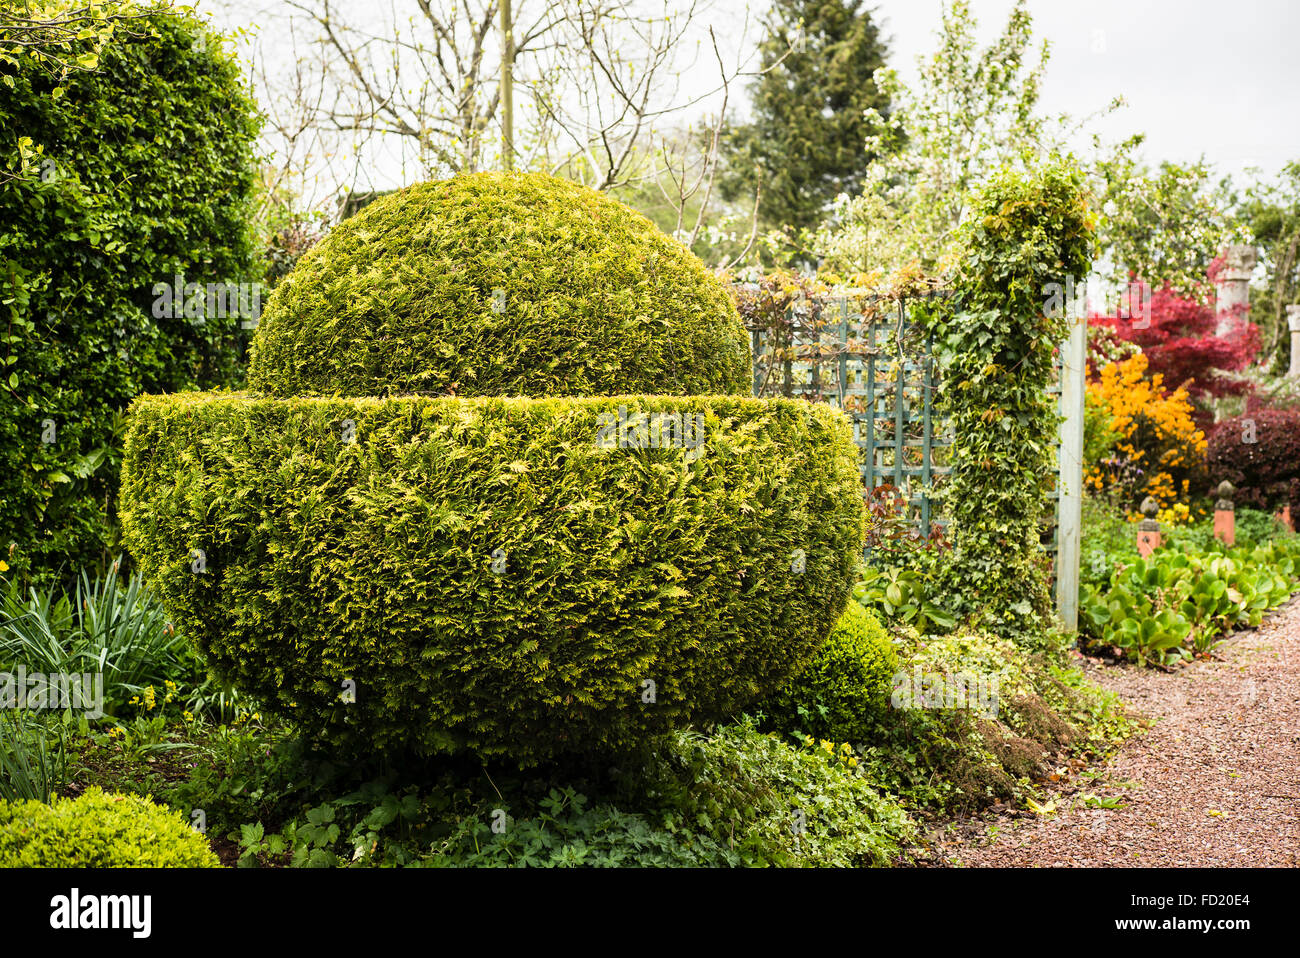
(1028, 246)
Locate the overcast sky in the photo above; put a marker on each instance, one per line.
(1219, 80)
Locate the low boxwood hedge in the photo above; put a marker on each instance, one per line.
(516, 284)
(487, 574)
(99, 830)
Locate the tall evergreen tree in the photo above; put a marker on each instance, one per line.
(807, 140)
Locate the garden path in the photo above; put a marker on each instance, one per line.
(1214, 782)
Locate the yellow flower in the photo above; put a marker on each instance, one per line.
(1156, 430)
(4, 566)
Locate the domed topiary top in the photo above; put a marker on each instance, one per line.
(499, 284)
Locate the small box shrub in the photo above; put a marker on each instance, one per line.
(99, 830)
(846, 685)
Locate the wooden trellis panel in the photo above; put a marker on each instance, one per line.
(866, 356)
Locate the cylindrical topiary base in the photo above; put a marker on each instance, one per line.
(515, 577)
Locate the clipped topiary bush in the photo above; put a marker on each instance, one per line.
(518, 577)
(499, 284)
(99, 830)
(483, 570)
(845, 686)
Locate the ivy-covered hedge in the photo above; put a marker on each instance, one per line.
(482, 572)
(112, 180)
(845, 687)
(1026, 235)
(499, 284)
(99, 830)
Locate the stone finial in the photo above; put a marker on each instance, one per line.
(1240, 259)
(1148, 534)
(1225, 492)
(1149, 508)
(1293, 317)
(1225, 518)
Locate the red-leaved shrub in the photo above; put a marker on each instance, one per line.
(1259, 453)
(1178, 337)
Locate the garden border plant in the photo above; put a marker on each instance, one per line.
(99, 830)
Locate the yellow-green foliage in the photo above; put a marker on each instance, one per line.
(486, 575)
(594, 300)
(479, 573)
(99, 830)
(846, 685)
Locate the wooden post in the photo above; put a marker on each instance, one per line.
(1293, 325)
(1225, 516)
(1148, 537)
(507, 88)
(1070, 478)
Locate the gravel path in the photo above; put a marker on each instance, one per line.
(1214, 782)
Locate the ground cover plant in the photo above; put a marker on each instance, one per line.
(1184, 598)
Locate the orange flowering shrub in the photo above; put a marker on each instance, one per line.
(1148, 443)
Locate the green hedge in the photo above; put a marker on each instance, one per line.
(142, 169)
(846, 685)
(376, 560)
(594, 300)
(99, 830)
